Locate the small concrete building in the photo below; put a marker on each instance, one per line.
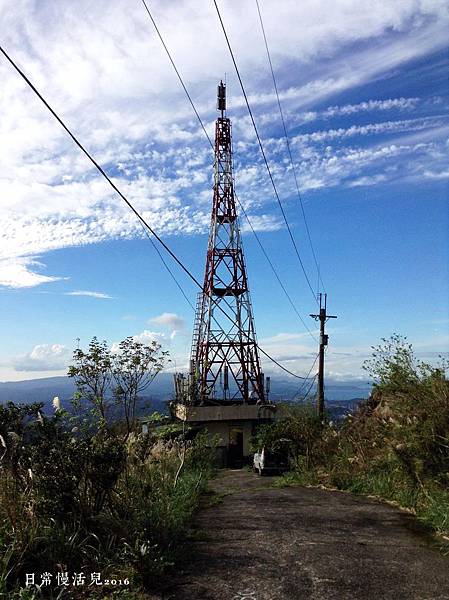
(233, 424)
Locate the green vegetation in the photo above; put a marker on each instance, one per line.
(295, 434)
(108, 379)
(395, 446)
(82, 494)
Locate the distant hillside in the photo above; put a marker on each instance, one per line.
(342, 395)
(44, 390)
(282, 389)
(37, 390)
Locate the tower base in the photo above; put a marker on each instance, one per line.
(233, 425)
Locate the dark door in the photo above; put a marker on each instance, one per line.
(235, 457)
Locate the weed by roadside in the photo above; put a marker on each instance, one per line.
(395, 446)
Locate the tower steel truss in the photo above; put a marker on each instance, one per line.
(225, 362)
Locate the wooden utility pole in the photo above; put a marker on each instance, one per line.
(322, 318)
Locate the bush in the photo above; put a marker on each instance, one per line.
(396, 445)
(298, 433)
(73, 500)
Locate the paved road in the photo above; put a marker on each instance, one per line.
(255, 542)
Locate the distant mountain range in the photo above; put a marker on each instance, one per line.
(45, 389)
(341, 395)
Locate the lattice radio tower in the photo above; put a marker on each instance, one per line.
(225, 365)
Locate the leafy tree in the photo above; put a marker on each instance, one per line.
(102, 375)
(92, 374)
(133, 369)
(393, 364)
(298, 432)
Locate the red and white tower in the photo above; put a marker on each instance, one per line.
(225, 365)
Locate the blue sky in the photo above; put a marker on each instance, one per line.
(365, 97)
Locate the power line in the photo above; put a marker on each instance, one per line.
(98, 167)
(310, 387)
(176, 71)
(179, 286)
(306, 378)
(274, 270)
(278, 363)
(123, 197)
(288, 146)
(212, 146)
(263, 153)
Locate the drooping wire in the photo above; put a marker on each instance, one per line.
(263, 153)
(310, 387)
(289, 149)
(212, 146)
(298, 393)
(123, 197)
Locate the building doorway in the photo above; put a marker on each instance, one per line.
(235, 456)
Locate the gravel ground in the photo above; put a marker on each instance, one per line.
(255, 542)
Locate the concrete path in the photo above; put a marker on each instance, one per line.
(255, 542)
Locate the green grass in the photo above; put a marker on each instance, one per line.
(291, 478)
(435, 510)
(139, 533)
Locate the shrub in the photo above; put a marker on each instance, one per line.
(396, 444)
(77, 497)
(298, 432)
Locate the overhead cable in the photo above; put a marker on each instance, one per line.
(212, 146)
(298, 393)
(310, 387)
(263, 153)
(289, 149)
(123, 197)
(176, 70)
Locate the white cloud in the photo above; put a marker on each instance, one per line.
(116, 90)
(172, 321)
(368, 180)
(16, 273)
(439, 175)
(145, 337)
(296, 118)
(44, 357)
(370, 129)
(99, 295)
(380, 163)
(262, 222)
(371, 105)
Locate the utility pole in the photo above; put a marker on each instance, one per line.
(322, 318)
